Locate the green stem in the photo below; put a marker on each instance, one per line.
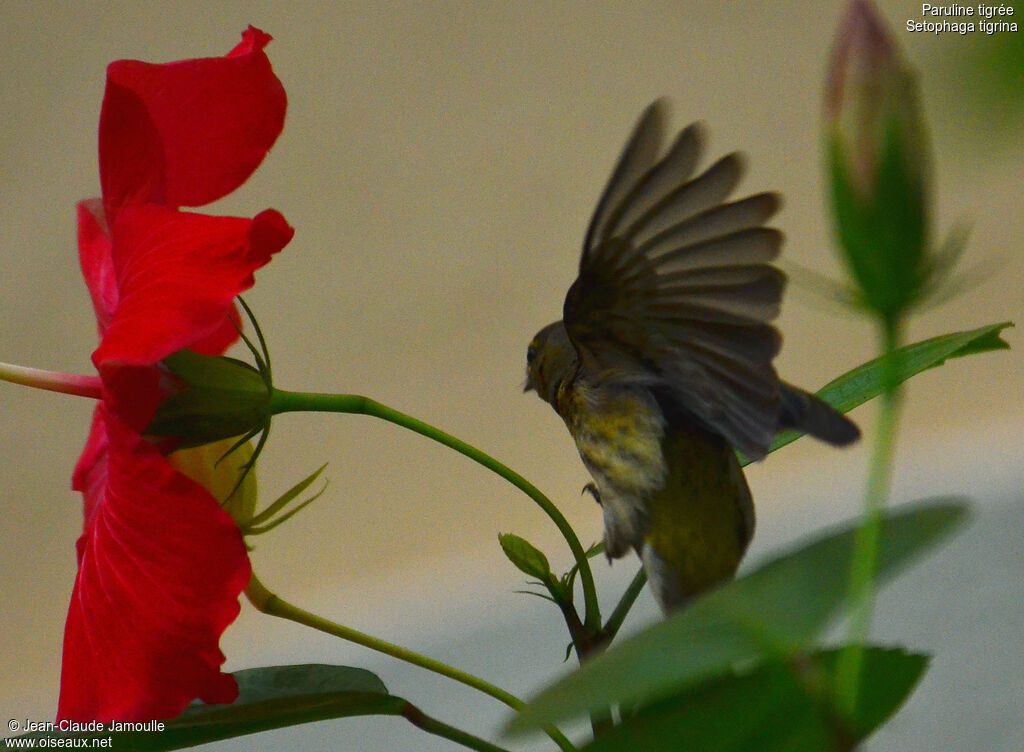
(269, 603)
(865, 555)
(282, 401)
(433, 726)
(614, 623)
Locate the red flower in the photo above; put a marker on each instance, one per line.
(161, 565)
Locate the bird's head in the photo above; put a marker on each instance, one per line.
(550, 360)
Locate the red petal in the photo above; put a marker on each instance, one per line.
(178, 274)
(253, 40)
(135, 393)
(90, 475)
(94, 257)
(161, 568)
(221, 338)
(189, 132)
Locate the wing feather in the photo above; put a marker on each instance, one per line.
(660, 181)
(721, 224)
(752, 245)
(693, 197)
(640, 154)
(676, 289)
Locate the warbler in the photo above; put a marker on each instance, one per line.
(661, 366)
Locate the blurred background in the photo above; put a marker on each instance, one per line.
(440, 162)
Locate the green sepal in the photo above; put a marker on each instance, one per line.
(884, 233)
(270, 518)
(221, 398)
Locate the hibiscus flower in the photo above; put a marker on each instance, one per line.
(160, 563)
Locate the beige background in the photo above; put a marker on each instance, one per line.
(440, 161)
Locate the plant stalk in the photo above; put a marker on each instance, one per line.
(283, 401)
(267, 602)
(433, 726)
(865, 555)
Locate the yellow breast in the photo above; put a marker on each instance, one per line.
(675, 493)
(618, 434)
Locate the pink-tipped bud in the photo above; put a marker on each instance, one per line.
(869, 90)
(879, 164)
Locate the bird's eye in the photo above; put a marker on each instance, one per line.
(531, 354)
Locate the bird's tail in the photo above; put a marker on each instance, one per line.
(803, 411)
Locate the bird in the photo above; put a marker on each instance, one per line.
(661, 366)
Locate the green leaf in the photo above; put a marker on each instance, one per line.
(527, 558)
(868, 380)
(773, 612)
(270, 697)
(887, 679)
(778, 706)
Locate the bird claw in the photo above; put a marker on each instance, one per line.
(592, 489)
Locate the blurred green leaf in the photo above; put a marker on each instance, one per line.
(773, 613)
(867, 381)
(779, 706)
(977, 84)
(527, 558)
(887, 679)
(270, 697)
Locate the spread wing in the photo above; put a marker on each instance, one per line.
(676, 288)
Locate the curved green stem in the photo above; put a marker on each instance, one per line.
(862, 572)
(433, 726)
(269, 603)
(282, 401)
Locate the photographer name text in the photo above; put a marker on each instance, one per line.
(85, 727)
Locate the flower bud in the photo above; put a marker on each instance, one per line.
(218, 398)
(879, 164)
